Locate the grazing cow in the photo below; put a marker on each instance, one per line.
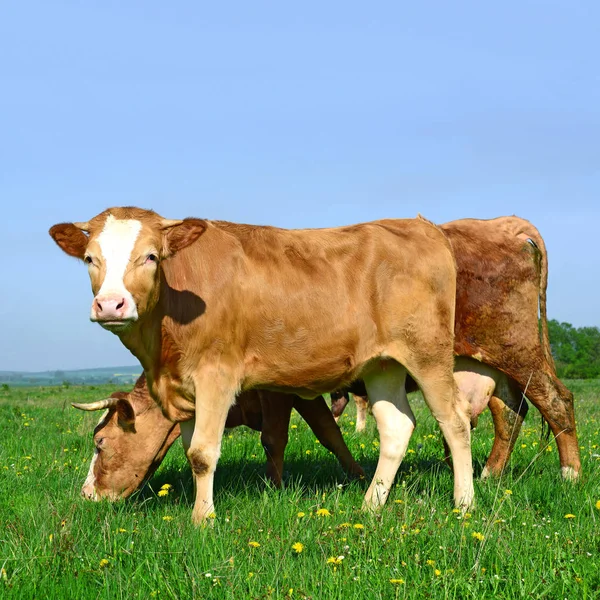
(214, 308)
(501, 322)
(133, 436)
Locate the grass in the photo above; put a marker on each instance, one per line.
(519, 542)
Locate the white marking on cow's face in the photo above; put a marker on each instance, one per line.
(116, 242)
(89, 485)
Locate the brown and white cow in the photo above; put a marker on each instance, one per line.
(133, 436)
(501, 322)
(214, 308)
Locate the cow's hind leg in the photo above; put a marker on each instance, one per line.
(362, 408)
(453, 416)
(550, 396)
(508, 407)
(320, 420)
(395, 422)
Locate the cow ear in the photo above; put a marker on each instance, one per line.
(70, 239)
(125, 414)
(177, 235)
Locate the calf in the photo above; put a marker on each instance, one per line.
(214, 308)
(133, 436)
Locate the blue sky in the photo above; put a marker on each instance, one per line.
(311, 115)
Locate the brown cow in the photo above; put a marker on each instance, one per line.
(501, 285)
(133, 436)
(214, 308)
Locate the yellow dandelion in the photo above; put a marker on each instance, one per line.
(569, 516)
(301, 514)
(298, 547)
(323, 512)
(254, 544)
(437, 572)
(308, 452)
(346, 525)
(335, 560)
(167, 518)
(358, 526)
(478, 536)
(598, 504)
(166, 486)
(399, 501)
(104, 563)
(430, 562)
(51, 537)
(162, 493)
(508, 492)
(294, 426)
(397, 581)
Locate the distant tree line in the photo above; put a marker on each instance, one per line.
(576, 350)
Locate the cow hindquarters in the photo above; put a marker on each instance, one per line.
(395, 423)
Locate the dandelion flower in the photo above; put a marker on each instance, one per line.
(478, 536)
(430, 562)
(437, 572)
(508, 492)
(301, 514)
(346, 525)
(397, 581)
(104, 563)
(569, 516)
(399, 501)
(166, 486)
(298, 547)
(335, 560)
(598, 504)
(162, 493)
(167, 518)
(254, 544)
(323, 512)
(358, 526)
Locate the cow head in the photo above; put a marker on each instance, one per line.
(123, 248)
(131, 441)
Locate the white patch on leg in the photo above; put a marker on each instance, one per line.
(116, 242)
(569, 473)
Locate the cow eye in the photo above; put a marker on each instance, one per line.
(99, 443)
(87, 260)
(151, 258)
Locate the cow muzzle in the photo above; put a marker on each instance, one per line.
(113, 311)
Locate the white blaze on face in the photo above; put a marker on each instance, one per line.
(116, 242)
(89, 485)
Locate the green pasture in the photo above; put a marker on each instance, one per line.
(531, 535)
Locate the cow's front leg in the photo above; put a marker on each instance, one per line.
(202, 439)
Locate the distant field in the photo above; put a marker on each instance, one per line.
(117, 375)
(531, 536)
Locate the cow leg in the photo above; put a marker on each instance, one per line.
(212, 407)
(550, 396)
(320, 420)
(452, 412)
(508, 408)
(362, 407)
(395, 423)
(276, 411)
(339, 401)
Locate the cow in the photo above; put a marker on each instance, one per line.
(212, 308)
(133, 436)
(501, 322)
